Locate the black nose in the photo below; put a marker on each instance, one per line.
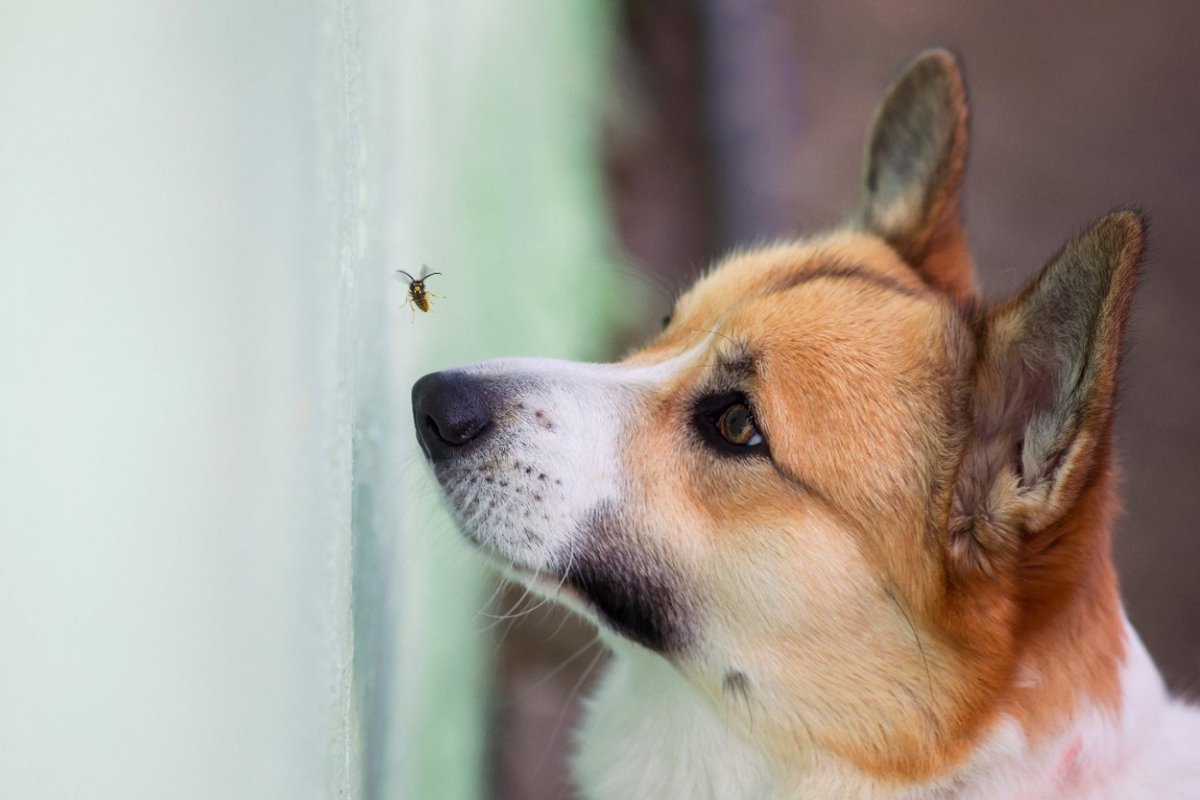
(450, 411)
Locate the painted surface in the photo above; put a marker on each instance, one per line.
(223, 572)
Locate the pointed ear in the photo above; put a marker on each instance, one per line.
(916, 155)
(1044, 394)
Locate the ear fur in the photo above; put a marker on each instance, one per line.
(1044, 393)
(916, 156)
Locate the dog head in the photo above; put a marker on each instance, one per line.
(837, 492)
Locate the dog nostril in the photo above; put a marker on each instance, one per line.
(457, 432)
(450, 411)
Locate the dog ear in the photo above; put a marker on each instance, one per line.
(916, 155)
(1044, 392)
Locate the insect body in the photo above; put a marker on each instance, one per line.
(418, 295)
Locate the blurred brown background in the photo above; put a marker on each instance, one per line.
(733, 121)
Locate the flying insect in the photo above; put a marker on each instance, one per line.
(418, 296)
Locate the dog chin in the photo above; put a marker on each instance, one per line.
(550, 583)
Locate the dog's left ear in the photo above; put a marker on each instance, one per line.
(1044, 395)
(916, 155)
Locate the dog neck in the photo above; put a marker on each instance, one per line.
(650, 733)
(1084, 712)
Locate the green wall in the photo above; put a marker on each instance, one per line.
(500, 189)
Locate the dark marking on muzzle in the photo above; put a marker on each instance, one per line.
(632, 590)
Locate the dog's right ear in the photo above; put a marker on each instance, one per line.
(916, 156)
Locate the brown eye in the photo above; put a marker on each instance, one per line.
(725, 423)
(736, 425)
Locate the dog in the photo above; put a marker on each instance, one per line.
(845, 527)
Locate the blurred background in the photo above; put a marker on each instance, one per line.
(224, 571)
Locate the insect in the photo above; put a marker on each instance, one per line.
(418, 295)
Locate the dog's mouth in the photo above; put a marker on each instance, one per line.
(548, 583)
(603, 575)
(535, 577)
(554, 584)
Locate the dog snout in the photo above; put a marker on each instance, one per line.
(450, 411)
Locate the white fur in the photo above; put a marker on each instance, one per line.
(649, 734)
(568, 430)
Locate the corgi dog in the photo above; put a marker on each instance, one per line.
(845, 527)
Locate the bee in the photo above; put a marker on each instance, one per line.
(418, 295)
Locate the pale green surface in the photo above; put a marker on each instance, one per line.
(502, 192)
(225, 569)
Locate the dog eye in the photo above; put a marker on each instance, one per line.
(666, 321)
(736, 425)
(725, 422)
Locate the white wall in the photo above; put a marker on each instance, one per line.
(224, 572)
(179, 251)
